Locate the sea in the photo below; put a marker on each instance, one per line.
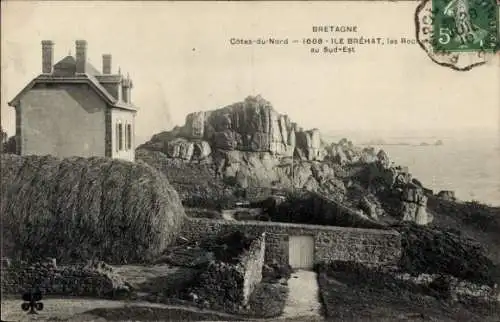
(468, 166)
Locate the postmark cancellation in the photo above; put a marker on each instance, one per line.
(459, 34)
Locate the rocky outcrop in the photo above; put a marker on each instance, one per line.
(252, 125)
(188, 150)
(344, 152)
(447, 195)
(309, 145)
(249, 169)
(368, 207)
(248, 144)
(383, 158)
(414, 206)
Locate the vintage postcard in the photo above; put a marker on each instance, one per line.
(250, 160)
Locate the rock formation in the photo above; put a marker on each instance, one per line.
(249, 144)
(446, 195)
(251, 126)
(414, 205)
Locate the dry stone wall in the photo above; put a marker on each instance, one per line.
(330, 243)
(253, 262)
(231, 284)
(91, 279)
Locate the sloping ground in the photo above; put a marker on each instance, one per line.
(307, 207)
(470, 219)
(435, 250)
(196, 183)
(78, 209)
(362, 294)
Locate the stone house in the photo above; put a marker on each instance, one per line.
(72, 109)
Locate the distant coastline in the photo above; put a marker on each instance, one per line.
(384, 143)
(467, 165)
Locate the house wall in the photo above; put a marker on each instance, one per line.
(330, 243)
(124, 117)
(61, 120)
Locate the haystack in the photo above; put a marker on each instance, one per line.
(86, 208)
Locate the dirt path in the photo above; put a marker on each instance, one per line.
(73, 309)
(303, 295)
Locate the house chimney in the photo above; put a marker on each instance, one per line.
(81, 56)
(126, 88)
(47, 56)
(106, 64)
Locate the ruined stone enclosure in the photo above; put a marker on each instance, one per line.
(303, 246)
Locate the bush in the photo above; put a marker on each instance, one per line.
(77, 209)
(276, 271)
(267, 300)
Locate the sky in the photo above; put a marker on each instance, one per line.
(180, 60)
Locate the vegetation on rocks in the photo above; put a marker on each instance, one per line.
(470, 219)
(96, 208)
(435, 250)
(312, 208)
(352, 291)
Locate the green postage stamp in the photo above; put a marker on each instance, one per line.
(465, 25)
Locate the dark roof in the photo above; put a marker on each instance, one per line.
(68, 63)
(90, 69)
(77, 79)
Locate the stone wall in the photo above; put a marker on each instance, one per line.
(91, 279)
(229, 285)
(253, 262)
(330, 243)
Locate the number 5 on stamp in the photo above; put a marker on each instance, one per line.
(465, 25)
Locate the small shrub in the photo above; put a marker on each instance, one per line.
(267, 300)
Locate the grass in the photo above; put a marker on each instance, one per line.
(436, 250)
(312, 208)
(363, 295)
(77, 209)
(471, 219)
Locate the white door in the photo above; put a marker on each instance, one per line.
(301, 252)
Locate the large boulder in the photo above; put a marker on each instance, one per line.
(181, 148)
(414, 206)
(446, 195)
(383, 158)
(251, 125)
(195, 125)
(309, 142)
